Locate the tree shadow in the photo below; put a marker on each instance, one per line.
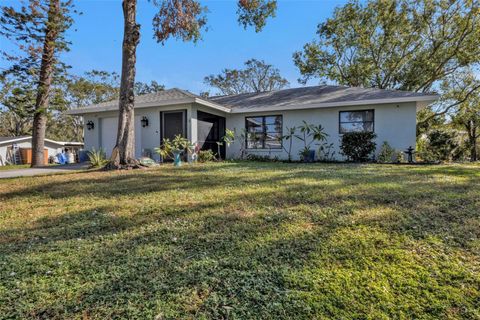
(301, 242)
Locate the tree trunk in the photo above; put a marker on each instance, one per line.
(125, 134)
(45, 80)
(473, 143)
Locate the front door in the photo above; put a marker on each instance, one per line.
(173, 124)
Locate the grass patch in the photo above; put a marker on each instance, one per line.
(243, 240)
(14, 166)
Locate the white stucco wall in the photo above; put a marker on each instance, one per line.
(394, 123)
(148, 137)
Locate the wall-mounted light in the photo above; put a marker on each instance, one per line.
(144, 121)
(90, 125)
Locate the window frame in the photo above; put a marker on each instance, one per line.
(361, 110)
(264, 132)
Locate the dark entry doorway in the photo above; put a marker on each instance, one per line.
(210, 129)
(173, 123)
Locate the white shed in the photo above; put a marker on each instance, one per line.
(53, 147)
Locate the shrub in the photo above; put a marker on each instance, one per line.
(398, 156)
(358, 146)
(386, 153)
(265, 158)
(326, 152)
(438, 145)
(97, 158)
(206, 156)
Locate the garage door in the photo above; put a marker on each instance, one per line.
(108, 137)
(108, 134)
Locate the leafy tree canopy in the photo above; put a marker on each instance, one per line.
(257, 76)
(394, 44)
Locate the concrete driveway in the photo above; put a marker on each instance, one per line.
(28, 172)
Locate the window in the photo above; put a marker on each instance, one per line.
(264, 132)
(356, 121)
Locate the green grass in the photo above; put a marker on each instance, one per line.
(243, 240)
(14, 166)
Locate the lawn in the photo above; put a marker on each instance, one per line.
(243, 240)
(14, 166)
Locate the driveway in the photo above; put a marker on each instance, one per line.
(28, 172)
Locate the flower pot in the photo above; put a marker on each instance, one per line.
(177, 160)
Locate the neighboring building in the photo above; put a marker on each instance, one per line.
(52, 147)
(390, 114)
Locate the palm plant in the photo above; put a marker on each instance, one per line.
(97, 158)
(289, 137)
(309, 134)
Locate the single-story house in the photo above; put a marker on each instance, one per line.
(390, 114)
(52, 147)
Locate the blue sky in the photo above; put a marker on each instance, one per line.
(97, 38)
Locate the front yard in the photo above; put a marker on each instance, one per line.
(243, 240)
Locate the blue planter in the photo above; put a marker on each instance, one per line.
(310, 157)
(177, 161)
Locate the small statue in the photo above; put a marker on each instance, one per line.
(409, 152)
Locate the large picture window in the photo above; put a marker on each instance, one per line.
(356, 121)
(264, 132)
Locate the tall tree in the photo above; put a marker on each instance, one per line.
(257, 76)
(181, 19)
(396, 44)
(466, 113)
(17, 102)
(145, 87)
(38, 29)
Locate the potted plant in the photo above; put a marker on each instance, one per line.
(174, 149)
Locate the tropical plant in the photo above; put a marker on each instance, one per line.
(169, 148)
(358, 146)
(289, 137)
(309, 134)
(97, 158)
(227, 139)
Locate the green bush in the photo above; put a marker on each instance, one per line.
(398, 156)
(358, 146)
(438, 145)
(97, 158)
(206, 156)
(259, 158)
(386, 153)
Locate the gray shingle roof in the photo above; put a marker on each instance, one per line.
(319, 95)
(295, 98)
(160, 96)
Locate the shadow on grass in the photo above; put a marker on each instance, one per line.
(288, 242)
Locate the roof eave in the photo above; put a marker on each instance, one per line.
(89, 110)
(426, 100)
(175, 102)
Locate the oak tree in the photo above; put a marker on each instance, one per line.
(257, 76)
